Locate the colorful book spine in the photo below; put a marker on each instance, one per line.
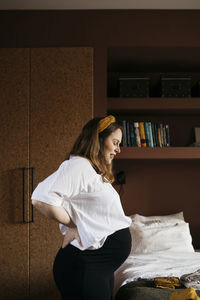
(142, 134)
(132, 135)
(151, 144)
(167, 135)
(137, 134)
(162, 135)
(128, 133)
(154, 134)
(159, 136)
(124, 137)
(147, 133)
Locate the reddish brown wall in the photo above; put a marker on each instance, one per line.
(161, 187)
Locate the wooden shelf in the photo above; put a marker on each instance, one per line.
(189, 153)
(156, 106)
(177, 105)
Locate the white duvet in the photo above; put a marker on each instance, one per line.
(151, 265)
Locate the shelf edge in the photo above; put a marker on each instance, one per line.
(189, 153)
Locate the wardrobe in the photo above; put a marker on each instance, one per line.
(46, 96)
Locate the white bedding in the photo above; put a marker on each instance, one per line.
(151, 265)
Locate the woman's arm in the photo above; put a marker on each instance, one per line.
(57, 213)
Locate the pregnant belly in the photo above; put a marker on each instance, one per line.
(112, 254)
(119, 244)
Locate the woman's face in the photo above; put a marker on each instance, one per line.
(112, 143)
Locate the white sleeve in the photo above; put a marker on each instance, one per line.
(66, 182)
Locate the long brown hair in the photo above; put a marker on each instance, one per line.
(90, 144)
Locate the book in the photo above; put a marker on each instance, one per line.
(159, 136)
(167, 135)
(164, 136)
(142, 134)
(147, 133)
(151, 144)
(197, 134)
(154, 134)
(128, 133)
(124, 137)
(137, 134)
(132, 135)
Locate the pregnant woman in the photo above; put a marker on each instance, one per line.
(80, 196)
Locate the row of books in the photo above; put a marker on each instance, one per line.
(145, 134)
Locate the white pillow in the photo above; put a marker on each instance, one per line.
(146, 239)
(158, 220)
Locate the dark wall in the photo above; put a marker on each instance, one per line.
(100, 29)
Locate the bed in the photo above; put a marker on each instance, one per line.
(161, 247)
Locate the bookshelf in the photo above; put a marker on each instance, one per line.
(180, 107)
(182, 114)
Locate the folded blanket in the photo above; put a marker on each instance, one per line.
(187, 294)
(191, 279)
(167, 282)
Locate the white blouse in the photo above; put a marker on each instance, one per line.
(93, 205)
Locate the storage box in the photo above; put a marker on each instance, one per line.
(176, 87)
(196, 89)
(133, 87)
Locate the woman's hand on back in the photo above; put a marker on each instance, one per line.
(71, 234)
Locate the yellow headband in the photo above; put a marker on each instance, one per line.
(105, 122)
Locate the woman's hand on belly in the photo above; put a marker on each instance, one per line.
(71, 234)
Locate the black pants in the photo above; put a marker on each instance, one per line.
(89, 274)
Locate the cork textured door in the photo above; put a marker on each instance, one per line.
(46, 95)
(14, 160)
(61, 103)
